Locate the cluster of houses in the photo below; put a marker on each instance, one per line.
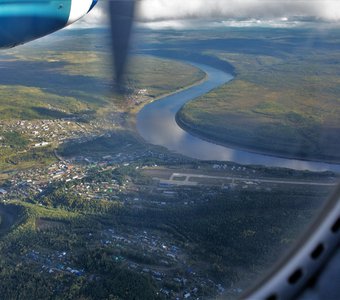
(172, 268)
(44, 132)
(53, 262)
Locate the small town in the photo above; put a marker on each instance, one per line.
(136, 177)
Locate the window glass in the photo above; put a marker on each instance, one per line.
(191, 183)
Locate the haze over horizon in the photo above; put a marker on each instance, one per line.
(176, 13)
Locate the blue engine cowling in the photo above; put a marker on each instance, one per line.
(22, 21)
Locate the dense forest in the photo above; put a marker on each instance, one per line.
(232, 231)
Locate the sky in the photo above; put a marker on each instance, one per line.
(181, 13)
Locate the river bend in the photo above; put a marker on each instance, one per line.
(156, 123)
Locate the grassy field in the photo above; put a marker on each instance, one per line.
(68, 76)
(65, 74)
(284, 99)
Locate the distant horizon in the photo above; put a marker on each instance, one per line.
(176, 14)
(193, 24)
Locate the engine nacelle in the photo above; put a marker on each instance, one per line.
(22, 21)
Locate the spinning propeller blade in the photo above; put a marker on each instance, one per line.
(121, 19)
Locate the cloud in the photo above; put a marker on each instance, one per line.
(152, 10)
(261, 11)
(198, 24)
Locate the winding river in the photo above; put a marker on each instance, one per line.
(156, 123)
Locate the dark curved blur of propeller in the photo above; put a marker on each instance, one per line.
(121, 17)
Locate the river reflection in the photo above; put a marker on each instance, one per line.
(156, 123)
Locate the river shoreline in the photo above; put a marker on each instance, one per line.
(135, 110)
(157, 123)
(202, 136)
